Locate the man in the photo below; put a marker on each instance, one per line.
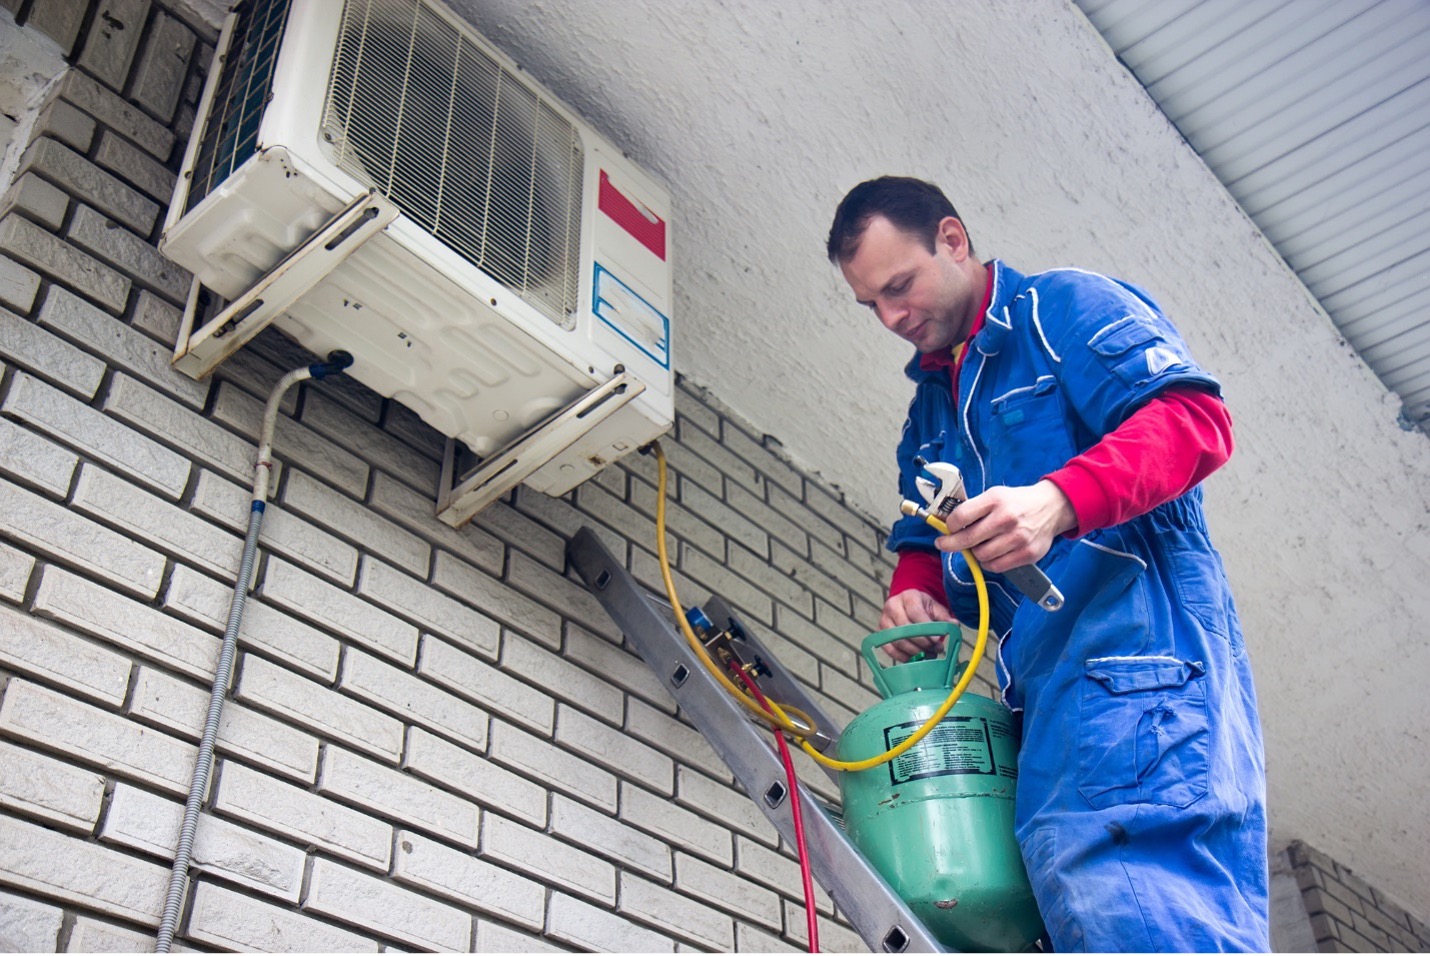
(1082, 427)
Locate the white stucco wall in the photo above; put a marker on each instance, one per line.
(759, 116)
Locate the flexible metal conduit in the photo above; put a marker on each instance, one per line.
(198, 787)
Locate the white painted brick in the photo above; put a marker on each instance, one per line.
(49, 356)
(309, 596)
(830, 648)
(419, 602)
(117, 155)
(726, 804)
(97, 435)
(495, 938)
(37, 199)
(50, 719)
(90, 935)
(291, 811)
(322, 711)
(489, 686)
(160, 320)
(560, 515)
(160, 71)
(121, 345)
(596, 502)
(716, 577)
(615, 749)
(732, 893)
(397, 795)
(31, 646)
(149, 823)
(205, 601)
(325, 415)
(778, 872)
(748, 939)
(33, 459)
(566, 680)
(79, 177)
(73, 870)
(28, 243)
(791, 657)
(703, 528)
(28, 926)
(721, 457)
(412, 699)
(107, 53)
(133, 255)
(515, 528)
(769, 463)
(468, 881)
(684, 463)
(690, 404)
(611, 663)
(609, 837)
(597, 929)
(713, 513)
(681, 916)
(773, 522)
(645, 568)
(236, 921)
(328, 508)
(559, 770)
(833, 938)
(15, 568)
(464, 772)
(292, 443)
(63, 122)
(18, 285)
(569, 597)
(58, 21)
(183, 708)
(167, 527)
(386, 908)
(547, 859)
(786, 576)
(153, 413)
(851, 694)
(502, 602)
(678, 826)
(415, 511)
(282, 532)
(40, 786)
(125, 623)
(833, 562)
(681, 741)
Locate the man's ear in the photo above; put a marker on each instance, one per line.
(950, 233)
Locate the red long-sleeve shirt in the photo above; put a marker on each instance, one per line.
(1159, 452)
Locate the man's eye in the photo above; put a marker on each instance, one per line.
(899, 289)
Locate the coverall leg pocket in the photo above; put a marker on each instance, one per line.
(1144, 735)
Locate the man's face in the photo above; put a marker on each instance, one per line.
(927, 298)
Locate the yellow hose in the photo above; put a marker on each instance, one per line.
(780, 718)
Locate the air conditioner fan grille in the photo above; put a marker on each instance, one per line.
(418, 111)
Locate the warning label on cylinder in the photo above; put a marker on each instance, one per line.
(957, 745)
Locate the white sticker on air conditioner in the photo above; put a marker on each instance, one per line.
(633, 318)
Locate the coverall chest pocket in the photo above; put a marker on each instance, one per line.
(1144, 734)
(1027, 433)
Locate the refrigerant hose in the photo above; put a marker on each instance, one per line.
(223, 674)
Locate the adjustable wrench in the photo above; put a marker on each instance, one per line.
(944, 493)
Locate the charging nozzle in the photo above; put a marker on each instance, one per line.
(338, 360)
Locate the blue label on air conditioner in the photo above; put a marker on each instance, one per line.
(633, 318)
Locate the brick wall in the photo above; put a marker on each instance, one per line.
(1346, 915)
(436, 739)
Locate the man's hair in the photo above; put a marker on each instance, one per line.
(912, 205)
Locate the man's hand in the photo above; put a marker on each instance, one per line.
(1009, 527)
(912, 607)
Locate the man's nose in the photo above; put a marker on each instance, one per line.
(891, 314)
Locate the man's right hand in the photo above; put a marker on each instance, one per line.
(912, 607)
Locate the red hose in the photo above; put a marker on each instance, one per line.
(811, 919)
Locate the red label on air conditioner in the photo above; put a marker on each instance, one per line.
(647, 228)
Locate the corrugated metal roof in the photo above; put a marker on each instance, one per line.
(1316, 116)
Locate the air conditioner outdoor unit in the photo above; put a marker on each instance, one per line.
(373, 176)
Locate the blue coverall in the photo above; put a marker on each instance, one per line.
(1141, 796)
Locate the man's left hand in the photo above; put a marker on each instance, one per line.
(1009, 527)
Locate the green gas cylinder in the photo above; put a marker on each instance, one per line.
(937, 822)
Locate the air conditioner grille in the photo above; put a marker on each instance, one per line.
(419, 112)
(230, 135)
